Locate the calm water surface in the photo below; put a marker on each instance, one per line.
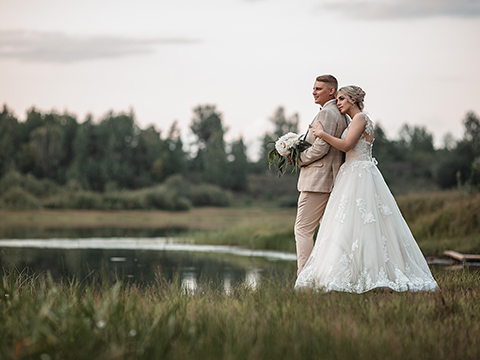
(145, 260)
(144, 256)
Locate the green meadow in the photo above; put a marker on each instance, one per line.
(98, 318)
(438, 220)
(41, 319)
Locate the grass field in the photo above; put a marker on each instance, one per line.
(439, 221)
(40, 319)
(98, 319)
(199, 218)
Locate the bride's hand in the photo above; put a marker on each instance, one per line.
(317, 129)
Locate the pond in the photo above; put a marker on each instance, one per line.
(145, 260)
(145, 256)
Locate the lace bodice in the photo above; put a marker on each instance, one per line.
(362, 151)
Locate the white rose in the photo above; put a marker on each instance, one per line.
(281, 147)
(287, 142)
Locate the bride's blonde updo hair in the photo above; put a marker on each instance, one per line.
(354, 94)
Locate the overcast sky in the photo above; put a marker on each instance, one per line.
(417, 60)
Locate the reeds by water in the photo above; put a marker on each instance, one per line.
(41, 319)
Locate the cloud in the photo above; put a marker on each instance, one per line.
(400, 9)
(56, 47)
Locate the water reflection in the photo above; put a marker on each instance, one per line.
(145, 260)
(252, 277)
(189, 281)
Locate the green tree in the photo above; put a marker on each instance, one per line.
(150, 151)
(34, 120)
(238, 166)
(46, 144)
(117, 154)
(42, 145)
(9, 140)
(69, 126)
(416, 143)
(211, 159)
(86, 167)
(462, 165)
(282, 124)
(166, 157)
(386, 153)
(416, 139)
(176, 158)
(215, 161)
(119, 137)
(206, 123)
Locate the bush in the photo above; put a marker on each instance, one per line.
(270, 187)
(175, 194)
(16, 198)
(288, 201)
(160, 198)
(58, 201)
(164, 198)
(10, 179)
(183, 204)
(84, 200)
(209, 195)
(125, 200)
(32, 185)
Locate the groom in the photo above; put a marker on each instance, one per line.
(319, 165)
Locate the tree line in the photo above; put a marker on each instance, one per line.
(114, 153)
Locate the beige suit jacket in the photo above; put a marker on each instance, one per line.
(319, 163)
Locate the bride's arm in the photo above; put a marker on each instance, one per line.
(354, 132)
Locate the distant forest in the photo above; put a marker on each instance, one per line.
(61, 158)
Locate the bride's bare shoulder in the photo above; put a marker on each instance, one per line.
(360, 117)
(359, 120)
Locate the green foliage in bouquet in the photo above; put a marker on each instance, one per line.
(290, 145)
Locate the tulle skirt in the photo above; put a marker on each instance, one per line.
(363, 241)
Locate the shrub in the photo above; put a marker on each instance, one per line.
(125, 200)
(288, 201)
(16, 198)
(183, 204)
(29, 183)
(59, 201)
(165, 198)
(40, 188)
(160, 198)
(85, 200)
(209, 195)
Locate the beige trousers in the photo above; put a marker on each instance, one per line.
(311, 206)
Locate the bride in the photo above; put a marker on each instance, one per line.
(363, 241)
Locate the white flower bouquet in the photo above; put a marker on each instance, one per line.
(287, 151)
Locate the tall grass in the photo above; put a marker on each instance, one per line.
(443, 220)
(254, 236)
(40, 319)
(443, 214)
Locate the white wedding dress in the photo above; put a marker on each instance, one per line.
(363, 241)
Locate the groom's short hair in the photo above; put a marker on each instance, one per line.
(329, 80)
